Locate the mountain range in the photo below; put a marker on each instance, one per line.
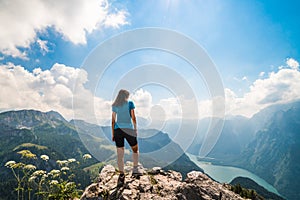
(50, 134)
(267, 144)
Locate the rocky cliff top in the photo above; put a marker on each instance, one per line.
(156, 183)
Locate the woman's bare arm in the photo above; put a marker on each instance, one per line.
(133, 119)
(113, 121)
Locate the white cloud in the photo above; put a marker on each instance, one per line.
(167, 108)
(245, 78)
(278, 87)
(261, 74)
(43, 46)
(20, 21)
(281, 67)
(143, 101)
(49, 90)
(292, 63)
(171, 107)
(53, 90)
(116, 20)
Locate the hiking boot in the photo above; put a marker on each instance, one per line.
(121, 180)
(137, 171)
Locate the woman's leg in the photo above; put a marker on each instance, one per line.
(119, 139)
(135, 155)
(120, 155)
(132, 140)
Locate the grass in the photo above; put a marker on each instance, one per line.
(94, 169)
(28, 145)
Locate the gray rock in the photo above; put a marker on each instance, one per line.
(156, 184)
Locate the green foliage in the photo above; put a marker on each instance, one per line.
(54, 184)
(93, 170)
(245, 193)
(30, 145)
(27, 154)
(252, 185)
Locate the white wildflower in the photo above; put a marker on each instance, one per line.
(62, 162)
(30, 167)
(32, 178)
(71, 160)
(65, 169)
(87, 156)
(38, 173)
(53, 182)
(54, 172)
(44, 176)
(10, 164)
(45, 157)
(19, 165)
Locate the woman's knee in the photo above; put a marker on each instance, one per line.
(120, 151)
(135, 148)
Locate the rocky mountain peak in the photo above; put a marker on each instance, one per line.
(156, 183)
(30, 118)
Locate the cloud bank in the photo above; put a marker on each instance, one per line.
(46, 90)
(279, 87)
(21, 21)
(52, 89)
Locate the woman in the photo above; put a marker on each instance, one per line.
(124, 127)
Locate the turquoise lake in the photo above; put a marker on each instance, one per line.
(225, 174)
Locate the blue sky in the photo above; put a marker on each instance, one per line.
(247, 40)
(242, 37)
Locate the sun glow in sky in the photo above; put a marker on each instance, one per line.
(255, 46)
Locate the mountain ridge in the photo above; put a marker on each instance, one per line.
(271, 150)
(274, 153)
(30, 118)
(279, 119)
(60, 139)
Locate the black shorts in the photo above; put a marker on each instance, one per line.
(128, 134)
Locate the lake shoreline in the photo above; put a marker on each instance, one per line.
(216, 170)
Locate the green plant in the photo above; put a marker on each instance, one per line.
(22, 171)
(55, 184)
